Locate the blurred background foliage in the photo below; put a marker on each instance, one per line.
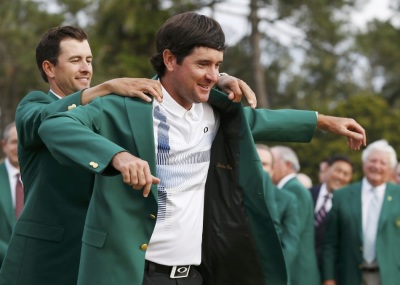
(328, 66)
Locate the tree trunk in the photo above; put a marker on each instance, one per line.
(257, 68)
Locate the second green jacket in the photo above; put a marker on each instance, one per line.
(342, 254)
(240, 244)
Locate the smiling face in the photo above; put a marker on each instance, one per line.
(73, 70)
(191, 81)
(338, 175)
(377, 168)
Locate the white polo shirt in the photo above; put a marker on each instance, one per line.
(183, 140)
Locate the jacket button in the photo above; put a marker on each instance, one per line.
(360, 266)
(361, 248)
(153, 217)
(93, 164)
(70, 107)
(143, 247)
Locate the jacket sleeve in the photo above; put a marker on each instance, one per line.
(281, 125)
(72, 138)
(33, 109)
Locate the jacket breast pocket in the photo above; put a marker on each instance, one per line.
(39, 231)
(94, 237)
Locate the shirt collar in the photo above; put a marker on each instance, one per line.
(177, 110)
(12, 171)
(285, 179)
(324, 191)
(58, 96)
(366, 186)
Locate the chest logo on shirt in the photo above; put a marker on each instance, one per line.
(205, 129)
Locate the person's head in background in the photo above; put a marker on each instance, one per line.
(64, 59)
(323, 166)
(339, 172)
(378, 160)
(9, 144)
(189, 51)
(267, 160)
(305, 180)
(285, 162)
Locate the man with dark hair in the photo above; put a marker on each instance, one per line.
(46, 243)
(206, 206)
(337, 175)
(11, 191)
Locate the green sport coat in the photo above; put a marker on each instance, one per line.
(7, 213)
(342, 255)
(45, 246)
(290, 225)
(304, 269)
(240, 244)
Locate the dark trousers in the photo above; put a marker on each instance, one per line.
(152, 277)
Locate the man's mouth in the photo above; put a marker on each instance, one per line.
(83, 79)
(207, 87)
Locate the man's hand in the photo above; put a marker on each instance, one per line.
(329, 282)
(135, 171)
(235, 88)
(346, 127)
(130, 87)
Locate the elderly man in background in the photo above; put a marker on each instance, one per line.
(304, 269)
(286, 205)
(363, 232)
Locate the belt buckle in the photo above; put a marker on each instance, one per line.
(180, 271)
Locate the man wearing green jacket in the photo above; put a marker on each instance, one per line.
(203, 200)
(9, 174)
(287, 211)
(304, 269)
(45, 246)
(363, 231)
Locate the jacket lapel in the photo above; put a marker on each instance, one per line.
(54, 97)
(386, 205)
(5, 196)
(140, 116)
(355, 206)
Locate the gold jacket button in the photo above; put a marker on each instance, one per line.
(143, 247)
(153, 217)
(70, 107)
(93, 164)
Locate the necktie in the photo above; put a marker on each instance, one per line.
(371, 226)
(321, 214)
(19, 197)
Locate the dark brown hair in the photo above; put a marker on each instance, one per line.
(49, 46)
(183, 32)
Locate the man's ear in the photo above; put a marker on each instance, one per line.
(169, 60)
(3, 145)
(48, 68)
